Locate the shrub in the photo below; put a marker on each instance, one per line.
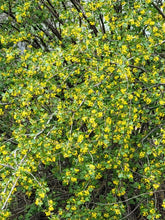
(82, 109)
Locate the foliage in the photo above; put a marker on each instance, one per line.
(82, 109)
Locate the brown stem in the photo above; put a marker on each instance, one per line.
(52, 11)
(79, 8)
(54, 30)
(102, 24)
(46, 33)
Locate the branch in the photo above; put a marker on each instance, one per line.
(46, 33)
(80, 9)
(10, 193)
(34, 178)
(159, 43)
(53, 12)
(51, 116)
(138, 67)
(159, 10)
(102, 23)
(154, 129)
(1, 103)
(7, 166)
(134, 197)
(132, 210)
(54, 30)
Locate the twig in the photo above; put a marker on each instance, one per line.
(1, 103)
(52, 11)
(14, 183)
(158, 9)
(91, 156)
(71, 127)
(7, 166)
(149, 134)
(159, 43)
(51, 116)
(102, 24)
(4, 191)
(132, 210)
(134, 197)
(50, 131)
(96, 85)
(10, 193)
(138, 67)
(34, 178)
(81, 9)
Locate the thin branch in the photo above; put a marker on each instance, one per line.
(132, 210)
(159, 43)
(96, 85)
(50, 131)
(54, 30)
(10, 193)
(7, 166)
(91, 156)
(34, 178)
(159, 10)
(1, 103)
(138, 67)
(51, 116)
(154, 129)
(53, 12)
(134, 197)
(4, 191)
(14, 184)
(22, 160)
(46, 33)
(80, 9)
(71, 127)
(102, 23)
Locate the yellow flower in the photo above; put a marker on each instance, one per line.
(73, 208)
(152, 211)
(60, 212)
(51, 208)
(73, 179)
(156, 186)
(48, 213)
(2, 7)
(116, 182)
(117, 211)
(42, 195)
(98, 176)
(37, 201)
(162, 102)
(80, 138)
(6, 214)
(1, 112)
(142, 154)
(94, 214)
(163, 27)
(163, 205)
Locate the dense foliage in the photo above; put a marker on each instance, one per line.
(82, 109)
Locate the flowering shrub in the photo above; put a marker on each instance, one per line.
(82, 109)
